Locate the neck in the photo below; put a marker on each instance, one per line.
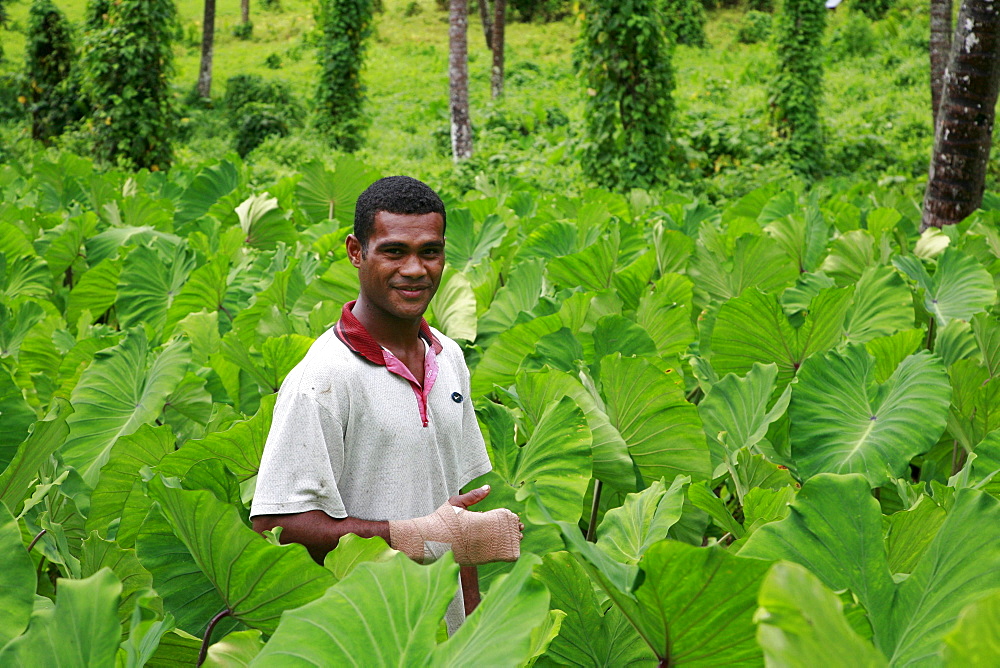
(386, 329)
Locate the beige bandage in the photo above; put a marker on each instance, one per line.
(475, 538)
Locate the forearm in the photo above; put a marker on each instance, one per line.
(319, 532)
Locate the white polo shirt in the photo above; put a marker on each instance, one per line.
(353, 436)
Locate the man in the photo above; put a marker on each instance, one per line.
(374, 431)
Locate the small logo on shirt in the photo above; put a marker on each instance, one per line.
(456, 397)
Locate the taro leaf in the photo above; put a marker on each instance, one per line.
(239, 447)
(910, 532)
(15, 324)
(986, 329)
(801, 234)
(324, 194)
(187, 593)
(81, 630)
(955, 341)
(148, 283)
(454, 306)
(703, 497)
(210, 185)
(388, 613)
(834, 529)
(889, 351)
(17, 579)
(800, 620)
(188, 408)
(237, 649)
(538, 390)
(147, 626)
(645, 518)
(882, 306)
(987, 461)
(234, 558)
(352, 550)
(975, 403)
(264, 224)
(843, 422)
(121, 390)
(502, 359)
(99, 553)
(520, 293)
(616, 334)
(146, 447)
(591, 268)
(17, 415)
(662, 430)
(177, 649)
(26, 276)
(469, 243)
(665, 314)
(754, 261)
(107, 243)
(697, 604)
(960, 287)
(762, 506)
(734, 412)
(753, 328)
(204, 290)
(46, 437)
(277, 357)
(589, 636)
(975, 639)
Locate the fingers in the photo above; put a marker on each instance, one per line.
(470, 498)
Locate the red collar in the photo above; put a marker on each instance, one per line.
(353, 334)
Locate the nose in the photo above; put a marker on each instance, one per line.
(412, 267)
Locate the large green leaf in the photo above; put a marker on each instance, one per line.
(590, 269)
(882, 306)
(204, 290)
(146, 447)
(589, 636)
(82, 628)
(324, 194)
(148, 282)
(665, 314)
(975, 639)
(975, 403)
(662, 430)
(800, 620)
(17, 579)
(960, 287)
(470, 243)
(18, 415)
(753, 261)
(210, 185)
(121, 390)
(98, 553)
(844, 422)
(501, 361)
(454, 306)
(46, 437)
(520, 293)
(234, 558)
(264, 224)
(645, 518)
(753, 328)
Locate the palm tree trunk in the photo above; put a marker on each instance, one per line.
(964, 129)
(244, 11)
(499, 23)
(940, 48)
(458, 77)
(484, 18)
(207, 47)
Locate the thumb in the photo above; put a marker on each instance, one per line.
(470, 498)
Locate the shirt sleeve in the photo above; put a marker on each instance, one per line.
(475, 460)
(303, 456)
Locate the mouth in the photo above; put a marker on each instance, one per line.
(412, 291)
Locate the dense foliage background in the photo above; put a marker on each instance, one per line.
(749, 415)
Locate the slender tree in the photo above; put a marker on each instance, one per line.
(964, 128)
(204, 86)
(49, 64)
(458, 78)
(487, 21)
(797, 87)
(244, 11)
(127, 63)
(499, 24)
(625, 61)
(345, 26)
(940, 48)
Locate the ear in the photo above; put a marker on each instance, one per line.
(354, 250)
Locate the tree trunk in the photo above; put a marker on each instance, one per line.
(964, 129)
(244, 11)
(940, 47)
(204, 87)
(484, 18)
(499, 23)
(458, 77)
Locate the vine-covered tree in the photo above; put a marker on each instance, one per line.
(345, 25)
(964, 129)
(686, 21)
(52, 94)
(624, 59)
(940, 49)
(95, 14)
(127, 64)
(798, 84)
(204, 85)
(458, 79)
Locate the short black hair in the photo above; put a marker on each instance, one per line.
(394, 194)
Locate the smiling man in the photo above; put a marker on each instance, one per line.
(373, 431)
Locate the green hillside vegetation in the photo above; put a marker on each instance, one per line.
(875, 108)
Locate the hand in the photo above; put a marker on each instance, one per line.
(473, 497)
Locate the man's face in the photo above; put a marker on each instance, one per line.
(401, 269)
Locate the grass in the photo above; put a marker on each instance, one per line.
(876, 101)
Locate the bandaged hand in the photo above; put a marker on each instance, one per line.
(475, 538)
